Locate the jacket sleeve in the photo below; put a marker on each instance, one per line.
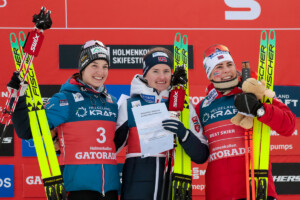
(279, 117)
(57, 110)
(122, 128)
(20, 119)
(196, 145)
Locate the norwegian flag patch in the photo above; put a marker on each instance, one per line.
(220, 57)
(196, 124)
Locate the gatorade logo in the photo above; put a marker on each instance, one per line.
(34, 180)
(253, 14)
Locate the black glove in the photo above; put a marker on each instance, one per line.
(247, 103)
(14, 84)
(15, 81)
(179, 76)
(176, 127)
(42, 20)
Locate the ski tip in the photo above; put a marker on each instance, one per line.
(185, 39)
(22, 36)
(264, 35)
(272, 34)
(13, 37)
(178, 37)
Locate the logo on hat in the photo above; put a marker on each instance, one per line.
(162, 59)
(220, 57)
(97, 50)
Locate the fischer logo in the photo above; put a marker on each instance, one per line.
(270, 67)
(261, 70)
(6, 182)
(253, 5)
(34, 180)
(4, 3)
(34, 43)
(287, 178)
(33, 82)
(17, 56)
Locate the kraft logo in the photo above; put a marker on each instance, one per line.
(218, 113)
(3, 3)
(81, 112)
(253, 5)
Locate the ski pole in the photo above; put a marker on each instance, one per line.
(32, 46)
(248, 143)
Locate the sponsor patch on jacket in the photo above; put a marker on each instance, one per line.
(210, 98)
(148, 98)
(81, 112)
(63, 102)
(77, 97)
(136, 103)
(164, 99)
(108, 98)
(196, 124)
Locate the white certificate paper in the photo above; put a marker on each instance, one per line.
(154, 139)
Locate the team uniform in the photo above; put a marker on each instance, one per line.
(225, 174)
(142, 177)
(85, 120)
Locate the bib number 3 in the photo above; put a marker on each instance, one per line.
(102, 138)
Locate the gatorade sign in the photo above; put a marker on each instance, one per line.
(32, 181)
(6, 180)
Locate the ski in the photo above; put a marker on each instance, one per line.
(46, 155)
(181, 177)
(261, 132)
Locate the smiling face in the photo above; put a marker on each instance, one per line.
(159, 77)
(223, 71)
(95, 73)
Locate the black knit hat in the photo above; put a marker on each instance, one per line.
(90, 51)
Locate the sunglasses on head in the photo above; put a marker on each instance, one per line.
(92, 43)
(214, 48)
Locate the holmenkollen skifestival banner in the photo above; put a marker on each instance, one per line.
(130, 28)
